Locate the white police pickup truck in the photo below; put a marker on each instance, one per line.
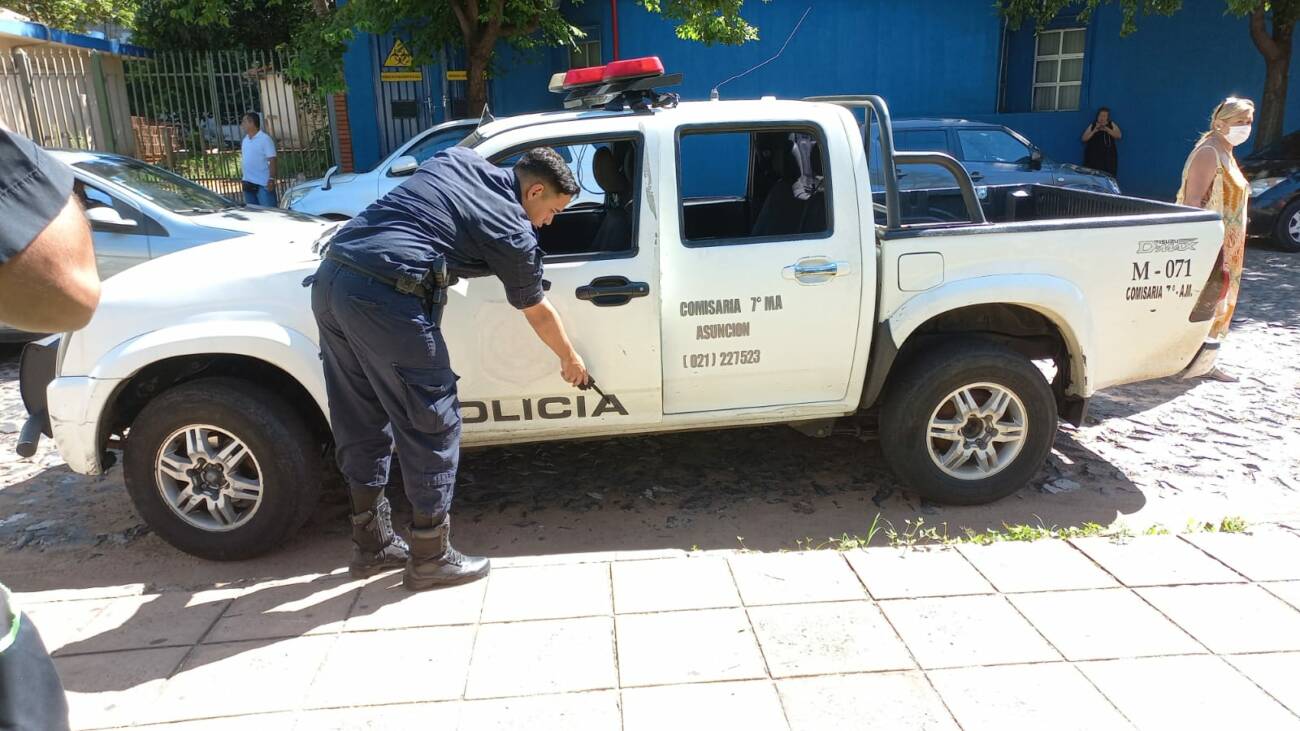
(739, 269)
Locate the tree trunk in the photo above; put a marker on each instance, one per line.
(1272, 108)
(1275, 46)
(477, 82)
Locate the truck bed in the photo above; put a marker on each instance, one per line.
(1023, 203)
(1133, 281)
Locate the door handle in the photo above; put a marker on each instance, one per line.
(976, 176)
(816, 270)
(611, 291)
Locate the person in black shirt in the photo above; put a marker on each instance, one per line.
(1099, 151)
(48, 282)
(378, 299)
(48, 279)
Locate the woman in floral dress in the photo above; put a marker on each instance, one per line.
(1212, 180)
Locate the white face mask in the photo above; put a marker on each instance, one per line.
(1238, 134)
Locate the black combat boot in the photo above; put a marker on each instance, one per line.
(375, 547)
(435, 563)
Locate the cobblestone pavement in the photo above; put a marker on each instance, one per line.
(1162, 452)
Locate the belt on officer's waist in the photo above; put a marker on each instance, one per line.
(403, 284)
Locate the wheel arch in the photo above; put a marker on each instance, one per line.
(1049, 320)
(278, 358)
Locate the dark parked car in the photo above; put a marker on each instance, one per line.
(1274, 174)
(993, 154)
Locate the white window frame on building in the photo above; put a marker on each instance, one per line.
(1049, 60)
(586, 51)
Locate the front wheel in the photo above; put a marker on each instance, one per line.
(222, 469)
(1287, 233)
(968, 423)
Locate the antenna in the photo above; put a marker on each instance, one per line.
(713, 94)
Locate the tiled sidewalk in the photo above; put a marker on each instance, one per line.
(1164, 632)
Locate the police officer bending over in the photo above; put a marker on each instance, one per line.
(378, 299)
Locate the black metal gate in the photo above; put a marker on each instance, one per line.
(402, 89)
(186, 109)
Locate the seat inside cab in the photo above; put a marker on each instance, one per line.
(756, 184)
(601, 219)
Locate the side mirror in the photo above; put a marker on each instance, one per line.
(325, 185)
(403, 166)
(1036, 160)
(103, 218)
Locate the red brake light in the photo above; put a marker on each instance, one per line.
(584, 77)
(633, 68)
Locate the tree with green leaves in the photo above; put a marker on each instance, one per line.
(76, 15)
(254, 25)
(478, 26)
(1271, 24)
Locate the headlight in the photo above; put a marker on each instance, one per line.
(293, 196)
(1260, 186)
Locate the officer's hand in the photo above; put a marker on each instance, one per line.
(574, 371)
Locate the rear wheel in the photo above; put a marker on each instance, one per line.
(222, 469)
(1287, 232)
(968, 423)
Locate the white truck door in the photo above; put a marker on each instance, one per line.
(601, 267)
(763, 271)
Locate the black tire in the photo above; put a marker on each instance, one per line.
(1283, 238)
(924, 384)
(286, 456)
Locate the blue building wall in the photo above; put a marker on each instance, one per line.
(1161, 84)
(937, 58)
(359, 71)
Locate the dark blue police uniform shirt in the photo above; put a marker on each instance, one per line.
(459, 206)
(34, 188)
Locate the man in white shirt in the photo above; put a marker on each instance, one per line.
(258, 151)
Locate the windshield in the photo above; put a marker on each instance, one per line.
(427, 145)
(167, 190)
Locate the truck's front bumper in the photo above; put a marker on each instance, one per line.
(1203, 362)
(76, 406)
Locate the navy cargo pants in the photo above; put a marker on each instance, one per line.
(390, 384)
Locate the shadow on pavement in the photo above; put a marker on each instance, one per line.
(765, 489)
(772, 487)
(1125, 401)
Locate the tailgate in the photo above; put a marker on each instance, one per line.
(1153, 321)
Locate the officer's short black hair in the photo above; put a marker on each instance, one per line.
(544, 165)
(253, 117)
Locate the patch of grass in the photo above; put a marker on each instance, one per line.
(917, 532)
(1233, 524)
(1230, 524)
(229, 164)
(1026, 532)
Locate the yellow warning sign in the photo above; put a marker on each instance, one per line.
(400, 76)
(399, 56)
(457, 76)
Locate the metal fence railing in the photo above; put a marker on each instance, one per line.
(65, 97)
(185, 111)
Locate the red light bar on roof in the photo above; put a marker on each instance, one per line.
(634, 68)
(576, 78)
(584, 77)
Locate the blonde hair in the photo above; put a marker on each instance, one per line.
(1230, 108)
